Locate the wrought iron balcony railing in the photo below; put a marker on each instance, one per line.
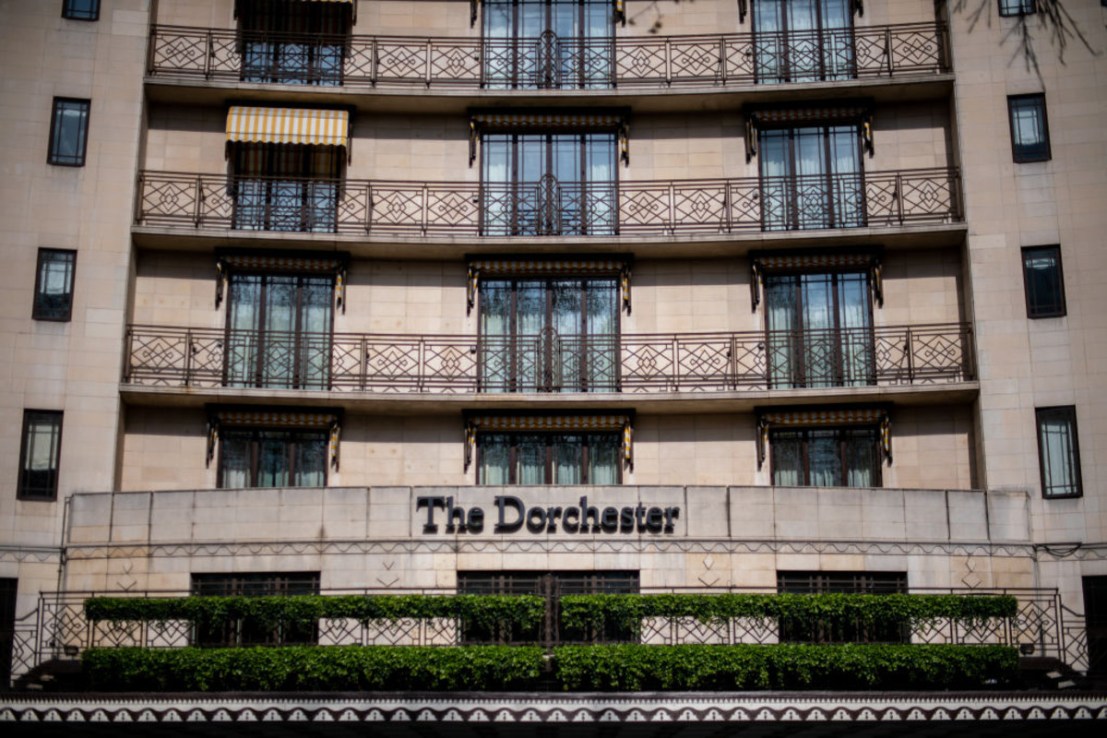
(59, 627)
(549, 62)
(587, 209)
(645, 363)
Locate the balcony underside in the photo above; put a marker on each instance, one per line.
(446, 247)
(659, 99)
(667, 403)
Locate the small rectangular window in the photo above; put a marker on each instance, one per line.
(826, 457)
(40, 454)
(1058, 452)
(549, 458)
(1044, 282)
(1010, 8)
(69, 132)
(259, 457)
(1029, 128)
(54, 285)
(86, 10)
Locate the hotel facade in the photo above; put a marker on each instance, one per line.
(553, 296)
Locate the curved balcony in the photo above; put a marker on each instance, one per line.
(658, 62)
(218, 203)
(634, 364)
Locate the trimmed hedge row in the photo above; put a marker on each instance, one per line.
(503, 668)
(314, 668)
(785, 666)
(484, 611)
(627, 611)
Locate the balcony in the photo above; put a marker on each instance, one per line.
(636, 364)
(716, 62)
(590, 211)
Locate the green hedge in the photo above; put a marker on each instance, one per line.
(506, 668)
(803, 611)
(481, 611)
(634, 667)
(314, 668)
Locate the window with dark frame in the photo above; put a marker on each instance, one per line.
(279, 330)
(1043, 280)
(549, 184)
(547, 44)
(1058, 452)
(551, 586)
(847, 456)
(260, 457)
(1029, 128)
(803, 41)
(69, 132)
(86, 10)
(292, 42)
(812, 176)
(248, 631)
(54, 285)
(546, 457)
(1012, 8)
(843, 582)
(549, 334)
(40, 455)
(819, 329)
(286, 187)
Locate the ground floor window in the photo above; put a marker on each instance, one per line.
(1095, 615)
(278, 448)
(843, 582)
(551, 586)
(826, 457)
(548, 458)
(247, 631)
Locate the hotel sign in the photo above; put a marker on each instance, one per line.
(513, 515)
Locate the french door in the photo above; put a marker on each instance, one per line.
(548, 44)
(811, 177)
(549, 335)
(279, 330)
(803, 40)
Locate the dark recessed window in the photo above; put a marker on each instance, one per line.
(86, 10)
(252, 630)
(839, 629)
(1008, 8)
(826, 457)
(1058, 451)
(39, 455)
(69, 132)
(1029, 128)
(549, 458)
(1044, 282)
(258, 457)
(54, 285)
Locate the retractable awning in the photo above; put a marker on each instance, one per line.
(288, 126)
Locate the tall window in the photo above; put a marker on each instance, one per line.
(279, 330)
(548, 184)
(819, 329)
(40, 455)
(259, 457)
(549, 335)
(68, 132)
(1044, 282)
(803, 40)
(1009, 8)
(249, 631)
(293, 42)
(811, 177)
(286, 187)
(1058, 452)
(1029, 128)
(54, 285)
(548, 43)
(826, 457)
(86, 10)
(884, 630)
(551, 586)
(549, 458)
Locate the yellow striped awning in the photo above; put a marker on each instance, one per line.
(288, 126)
